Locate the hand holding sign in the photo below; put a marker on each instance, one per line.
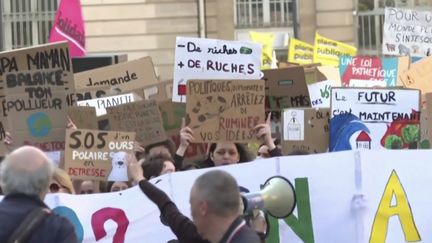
(263, 133)
(186, 138)
(135, 170)
(186, 134)
(70, 124)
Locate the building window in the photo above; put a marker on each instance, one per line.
(26, 22)
(264, 13)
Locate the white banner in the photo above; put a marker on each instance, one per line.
(361, 196)
(407, 32)
(197, 58)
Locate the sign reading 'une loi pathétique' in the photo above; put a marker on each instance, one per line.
(197, 58)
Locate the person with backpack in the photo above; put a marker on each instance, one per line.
(25, 175)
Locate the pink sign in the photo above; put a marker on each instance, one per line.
(69, 25)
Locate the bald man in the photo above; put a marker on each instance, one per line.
(24, 178)
(215, 209)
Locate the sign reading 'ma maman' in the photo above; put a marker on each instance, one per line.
(50, 56)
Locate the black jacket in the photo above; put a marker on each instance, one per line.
(239, 232)
(54, 229)
(185, 229)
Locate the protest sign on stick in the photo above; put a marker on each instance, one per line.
(98, 155)
(328, 51)
(300, 52)
(224, 110)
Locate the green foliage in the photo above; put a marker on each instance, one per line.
(411, 134)
(393, 142)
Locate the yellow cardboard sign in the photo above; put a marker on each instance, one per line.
(300, 52)
(266, 40)
(328, 51)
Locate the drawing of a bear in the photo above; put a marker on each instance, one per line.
(119, 167)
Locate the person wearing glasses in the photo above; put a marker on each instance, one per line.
(61, 182)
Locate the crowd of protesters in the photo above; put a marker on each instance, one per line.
(148, 162)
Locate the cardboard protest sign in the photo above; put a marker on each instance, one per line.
(127, 76)
(102, 103)
(407, 32)
(172, 115)
(3, 129)
(266, 40)
(305, 130)
(158, 91)
(319, 93)
(419, 76)
(142, 117)
(328, 51)
(53, 56)
(224, 110)
(198, 58)
(98, 155)
(374, 119)
(300, 52)
(83, 117)
(362, 71)
(286, 88)
(36, 107)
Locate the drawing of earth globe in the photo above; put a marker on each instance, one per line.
(39, 124)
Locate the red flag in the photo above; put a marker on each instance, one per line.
(69, 25)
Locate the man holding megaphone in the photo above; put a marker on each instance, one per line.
(215, 207)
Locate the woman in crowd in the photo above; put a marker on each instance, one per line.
(158, 164)
(61, 182)
(225, 153)
(116, 186)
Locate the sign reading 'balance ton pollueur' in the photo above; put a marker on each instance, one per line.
(98, 155)
(224, 110)
(36, 107)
